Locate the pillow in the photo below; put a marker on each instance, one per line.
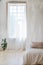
(37, 45)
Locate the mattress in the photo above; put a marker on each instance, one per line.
(34, 56)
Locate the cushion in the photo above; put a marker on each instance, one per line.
(37, 45)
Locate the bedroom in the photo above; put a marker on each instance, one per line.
(32, 33)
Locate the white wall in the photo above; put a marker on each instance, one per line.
(34, 21)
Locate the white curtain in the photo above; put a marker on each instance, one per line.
(37, 21)
(17, 21)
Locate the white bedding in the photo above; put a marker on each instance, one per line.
(11, 57)
(34, 56)
(30, 56)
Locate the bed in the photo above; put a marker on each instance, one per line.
(28, 57)
(34, 56)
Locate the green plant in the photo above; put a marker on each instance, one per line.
(4, 44)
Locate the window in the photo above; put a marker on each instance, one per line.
(17, 21)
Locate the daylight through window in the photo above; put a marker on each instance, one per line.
(17, 21)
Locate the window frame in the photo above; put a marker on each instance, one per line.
(7, 12)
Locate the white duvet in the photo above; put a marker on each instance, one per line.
(30, 56)
(34, 56)
(11, 57)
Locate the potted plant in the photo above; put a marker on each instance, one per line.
(4, 44)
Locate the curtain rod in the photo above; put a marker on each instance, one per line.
(16, 2)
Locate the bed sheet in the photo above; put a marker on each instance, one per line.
(34, 56)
